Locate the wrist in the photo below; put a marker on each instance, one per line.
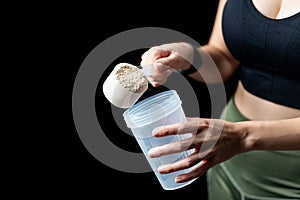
(248, 130)
(196, 62)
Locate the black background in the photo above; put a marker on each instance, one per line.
(70, 33)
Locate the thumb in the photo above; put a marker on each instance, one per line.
(166, 62)
(161, 67)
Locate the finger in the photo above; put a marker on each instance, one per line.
(157, 73)
(168, 72)
(171, 148)
(192, 126)
(171, 61)
(160, 77)
(193, 119)
(185, 163)
(198, 171)
(191, 141)
(160, 67)
(152, 55)
(155, 84)
(157, 80)
(155, 53)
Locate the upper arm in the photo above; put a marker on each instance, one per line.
(216, 39)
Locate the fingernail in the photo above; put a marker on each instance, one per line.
(159, 67)
(158, 64)
(151, 153)
(156, 131)
(161, 169)
(178, 179)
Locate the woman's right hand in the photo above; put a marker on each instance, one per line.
(166, 58)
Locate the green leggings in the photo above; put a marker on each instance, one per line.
(256, 175)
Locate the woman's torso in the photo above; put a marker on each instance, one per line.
(256, 108)
(269, 89)
(251, 106)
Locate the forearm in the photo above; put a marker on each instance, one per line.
(271, 135)
(216, 66)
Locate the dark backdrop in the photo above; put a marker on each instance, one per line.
(75, 171)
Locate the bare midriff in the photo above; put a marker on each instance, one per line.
(256, 108)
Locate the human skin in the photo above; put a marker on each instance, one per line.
(271, 126)
(227, 139)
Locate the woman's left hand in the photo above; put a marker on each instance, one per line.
(213, 141)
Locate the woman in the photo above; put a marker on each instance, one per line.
(257, 154)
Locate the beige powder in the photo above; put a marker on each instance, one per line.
(132, 78)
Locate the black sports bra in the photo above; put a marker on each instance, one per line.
(268, 50)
